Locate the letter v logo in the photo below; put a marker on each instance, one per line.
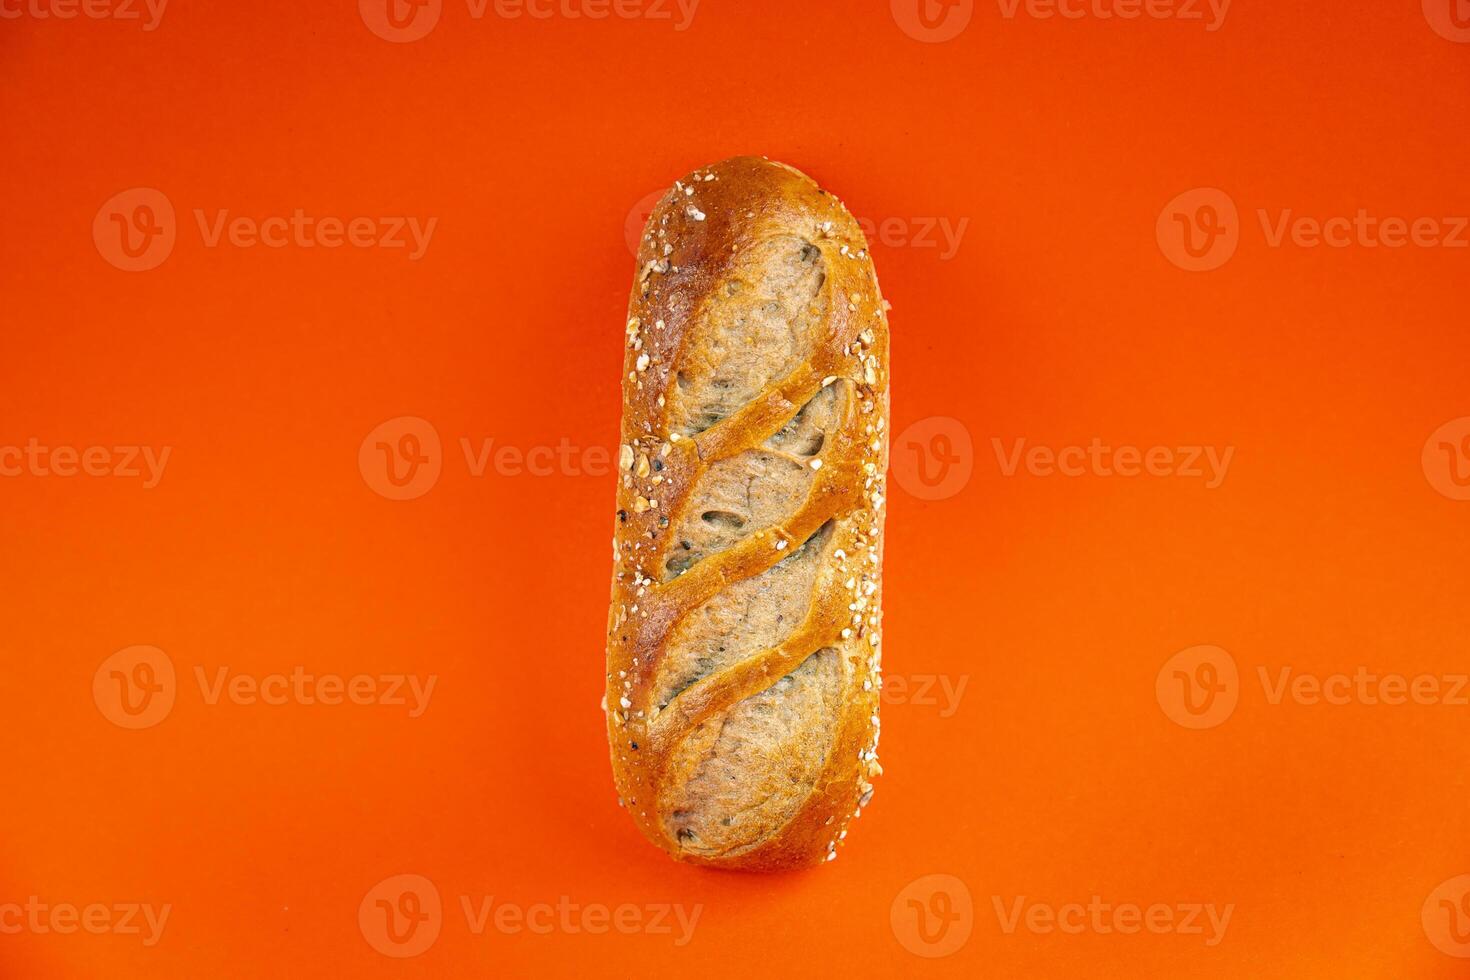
(1450, 19)
(1199, 230)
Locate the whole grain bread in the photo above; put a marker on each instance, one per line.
(743, 664)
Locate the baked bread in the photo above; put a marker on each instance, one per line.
(743, 638)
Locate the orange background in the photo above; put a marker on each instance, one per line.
(1057, 600)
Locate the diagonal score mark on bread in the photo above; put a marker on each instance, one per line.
(742, 713)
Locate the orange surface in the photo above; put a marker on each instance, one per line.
(1046, 737)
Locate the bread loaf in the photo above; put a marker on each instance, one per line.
(743, 637)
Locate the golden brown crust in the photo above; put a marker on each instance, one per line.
(695, 242)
